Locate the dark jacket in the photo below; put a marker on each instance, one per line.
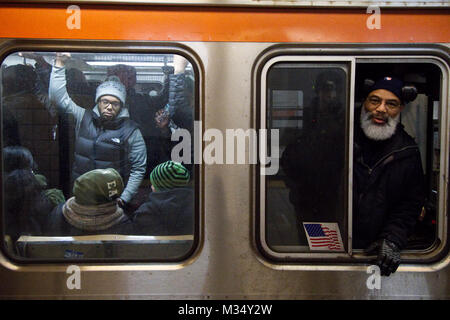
(314, 168)
(25, 204)
(169, 212)
(102, 145)
(388, 195)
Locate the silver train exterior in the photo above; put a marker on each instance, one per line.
(227, 263)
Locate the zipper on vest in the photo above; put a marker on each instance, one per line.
(95, 147)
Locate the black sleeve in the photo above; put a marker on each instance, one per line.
(179, 100)
(43, 71)
(404, 211)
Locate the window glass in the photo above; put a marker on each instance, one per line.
(307, 103)
(421, 120)
(86, 146)
(306, 208)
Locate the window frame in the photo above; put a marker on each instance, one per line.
(10, 46)
(349, 135)
(428, 260)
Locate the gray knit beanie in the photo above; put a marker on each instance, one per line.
(112, 87)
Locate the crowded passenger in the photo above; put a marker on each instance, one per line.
(321, 141)
(93, 208)
(109, 150)
(27, 196)
(17, 95)
(105, 135)
(139, 105)
(170, 207)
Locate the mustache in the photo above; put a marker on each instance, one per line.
(385, 117)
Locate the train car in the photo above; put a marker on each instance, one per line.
(250, 87)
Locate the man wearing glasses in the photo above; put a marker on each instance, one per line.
(388, 178)
(105, 135)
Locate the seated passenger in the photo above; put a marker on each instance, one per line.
(93, 209)
(169, 209)
(27, 201)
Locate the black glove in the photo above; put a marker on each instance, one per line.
(388, 255)
(122, 203)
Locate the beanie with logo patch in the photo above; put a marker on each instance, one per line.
(97, 187)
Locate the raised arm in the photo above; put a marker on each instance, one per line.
(58, 89)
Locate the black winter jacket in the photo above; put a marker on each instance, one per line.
(388, 195)
(168, 212)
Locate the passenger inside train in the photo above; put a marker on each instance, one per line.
(392, 211)
(167, 210)
(96, 142)
(388, 182)
(323, 120)
(27, 196)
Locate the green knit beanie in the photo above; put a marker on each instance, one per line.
(169, 175)
(98, 186)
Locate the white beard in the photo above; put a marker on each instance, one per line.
(378, 132)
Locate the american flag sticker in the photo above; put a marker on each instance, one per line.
(323, 236)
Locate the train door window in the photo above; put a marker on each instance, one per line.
(86, 141)
(305, 210)
(308, 103)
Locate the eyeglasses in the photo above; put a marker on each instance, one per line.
(375, 102)
(106, 102)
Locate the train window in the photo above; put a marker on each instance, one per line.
(308, 211)
(307, 102)
(87, 170)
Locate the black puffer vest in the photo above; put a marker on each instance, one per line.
(103, 144)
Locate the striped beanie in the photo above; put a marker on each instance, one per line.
(169, 175)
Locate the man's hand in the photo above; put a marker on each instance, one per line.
(179, 64)
(31, 55)
(61, 58)
(121, 203)
(388, 255)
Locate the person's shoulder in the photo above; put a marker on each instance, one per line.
(403, 137)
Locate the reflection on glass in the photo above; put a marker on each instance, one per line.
(86, 154)
(308, 105)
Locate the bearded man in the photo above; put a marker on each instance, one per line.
(388, 180)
